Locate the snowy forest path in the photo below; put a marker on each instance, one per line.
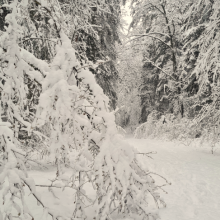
(194, 174)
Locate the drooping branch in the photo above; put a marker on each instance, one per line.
(149, 35)
(150, 61)
(39, 200)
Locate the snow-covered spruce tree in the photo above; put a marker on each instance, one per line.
(115, 174)
(95, 41)
(201, 67)
(82, 135)
(92, 28)
(155, 31)
(200, 52)
(14, 176)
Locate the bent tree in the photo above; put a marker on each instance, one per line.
(55, 107)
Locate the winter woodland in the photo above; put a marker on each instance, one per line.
(80, 84)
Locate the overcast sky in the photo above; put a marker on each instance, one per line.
(127, 16)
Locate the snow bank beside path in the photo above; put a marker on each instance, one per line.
(195, 177)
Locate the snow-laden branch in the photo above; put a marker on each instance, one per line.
(79, 138)
(148, 35)
(167, 74)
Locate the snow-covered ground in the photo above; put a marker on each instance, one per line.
(195, 177)
(193, 172)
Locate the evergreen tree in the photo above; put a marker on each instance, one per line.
(73, 125)
(156, 28)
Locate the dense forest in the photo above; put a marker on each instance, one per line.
(175, 47)
(76, 78)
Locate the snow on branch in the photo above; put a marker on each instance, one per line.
(72, 122)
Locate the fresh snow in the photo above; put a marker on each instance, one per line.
(195, 176)
(193, 171)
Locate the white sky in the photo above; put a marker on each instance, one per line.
(127, 16)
